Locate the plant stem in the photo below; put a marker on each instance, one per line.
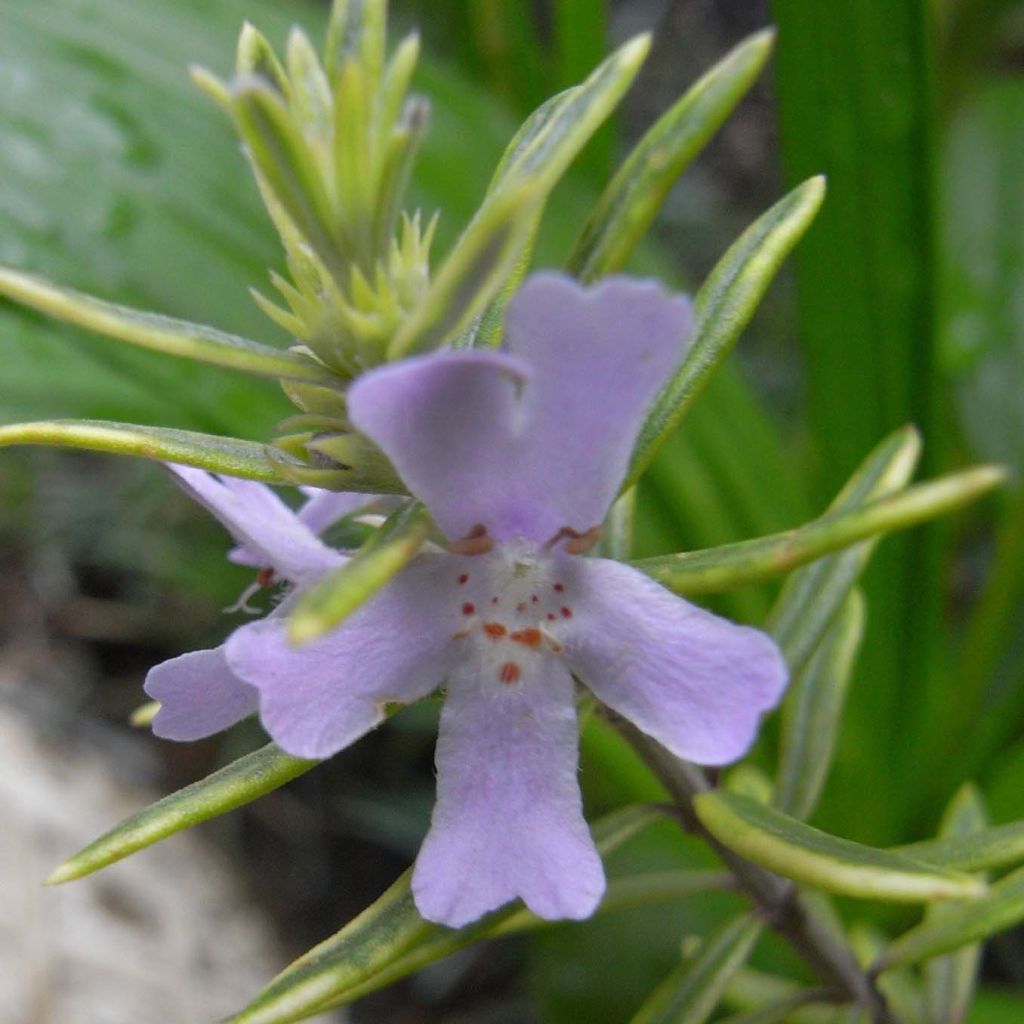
(777, 898)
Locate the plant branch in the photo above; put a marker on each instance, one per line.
(777, 898)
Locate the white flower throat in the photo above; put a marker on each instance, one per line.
(511, 604)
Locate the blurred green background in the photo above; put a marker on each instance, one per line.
(905, 302)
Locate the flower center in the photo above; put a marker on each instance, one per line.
(511, 602)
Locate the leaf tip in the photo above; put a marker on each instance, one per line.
(67, 872)
(762, 41)
(815, 187)
(634, 52)
(209, 83)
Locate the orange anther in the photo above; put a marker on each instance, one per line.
(526, 637)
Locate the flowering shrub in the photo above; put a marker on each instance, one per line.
(490, 428)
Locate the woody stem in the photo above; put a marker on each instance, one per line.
(778, 899)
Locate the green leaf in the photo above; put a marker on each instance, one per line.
(492, 255)
(750, 990)
(997, 847)
(553, 135)
(690, 994)
(285, 162)
(813, 710)
(390, 940)
(159, 333)
(723, 307)
(856, 87)
(341, 592)
(255, 56)
(357, 29)
(950, 980)
(795, 850)
(542, 150)
(472, 273)
(239, 783)
(750, 561)
(632, 199)
(961, 925)
(780, 1011)
(229, 455)
(811, 597)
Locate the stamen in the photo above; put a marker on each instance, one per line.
(495, 629)
(265, 577)
(476, 542)
(242, 604)
(576, 543)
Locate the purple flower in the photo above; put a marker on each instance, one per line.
(518, 456)
(321, 510)
(198, 692)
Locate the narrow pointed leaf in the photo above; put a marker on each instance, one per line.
(285, 162)
(339, 594)
(473, 272)
(541, 152)
(553, 135)
(950, 981)
(723, 306)
(390, 940)
(356, 30)
(961, 925)
(239, 783)
(810, 598)
(691, 993)
(255, 56)
(159, 333)
(795, 850)
(813, 708)
(229, 455)
(632, 199)
(751, 561)
(998, 847)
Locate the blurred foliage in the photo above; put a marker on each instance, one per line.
(118, 177)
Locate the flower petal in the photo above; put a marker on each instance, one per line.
(508, 820)
(694, 681)
(449, 422)
(528, 445)
(322, 696)
(199, 695)
(598, 356)
(320, 510)
(261, 523)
